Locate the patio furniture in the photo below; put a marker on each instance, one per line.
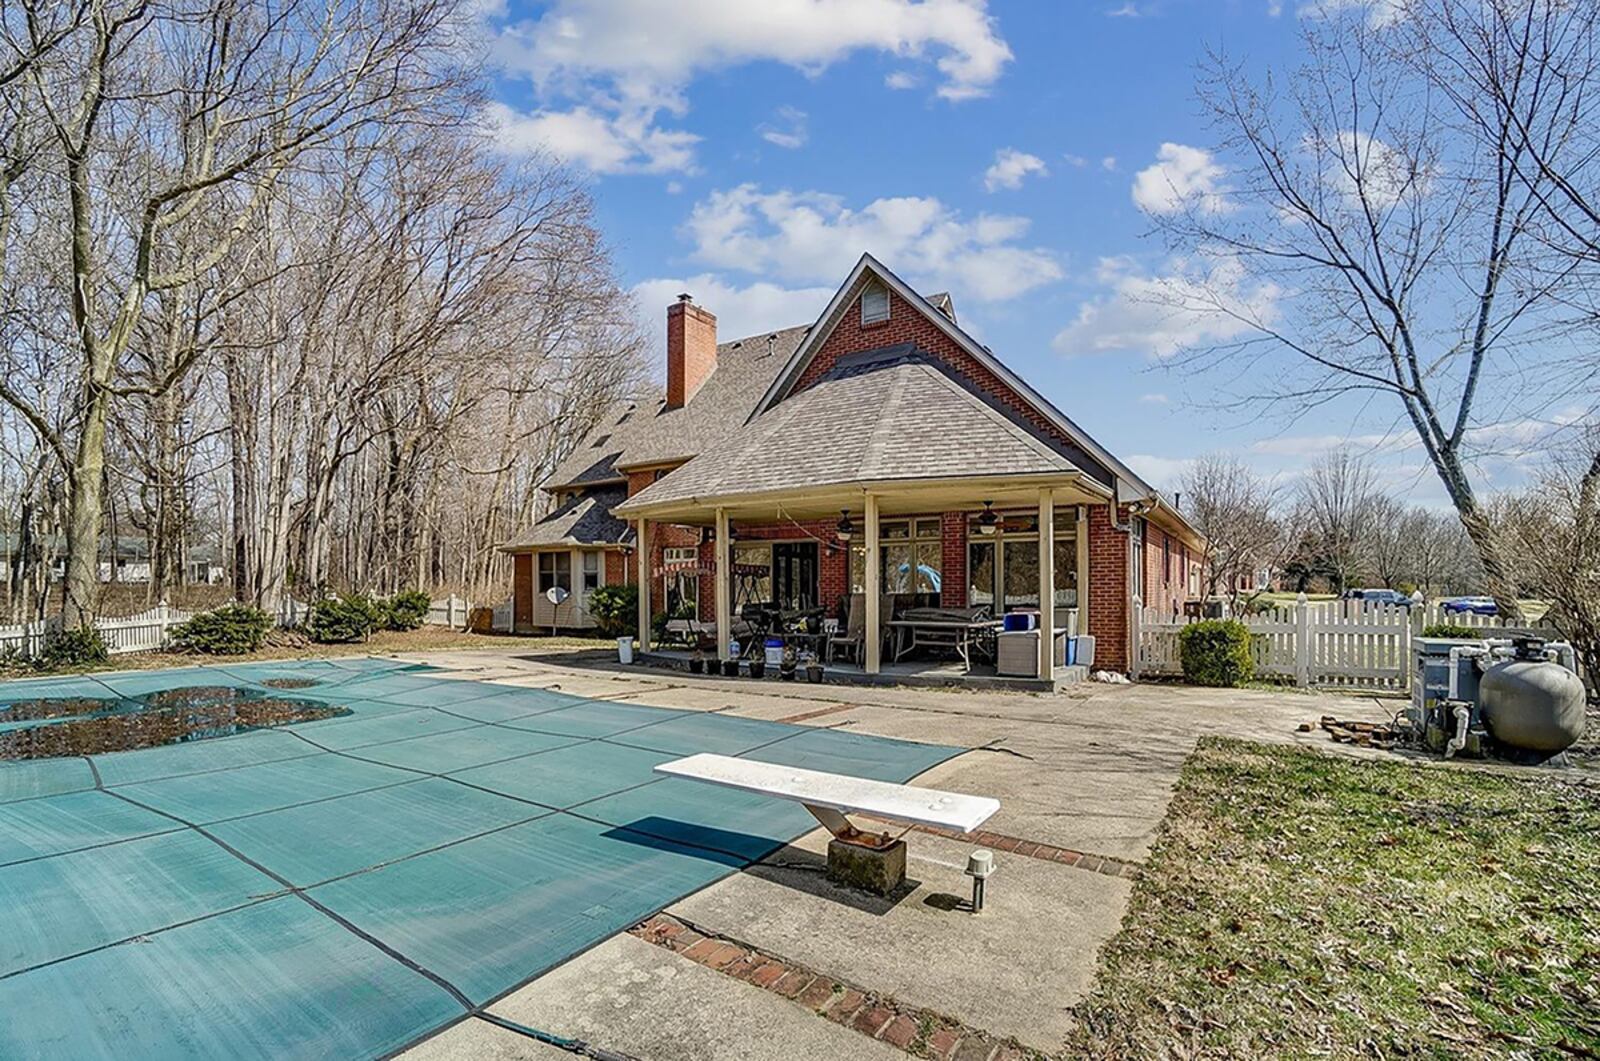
(1017, 652)
(853, 637)
(961, 630)
(872, 860)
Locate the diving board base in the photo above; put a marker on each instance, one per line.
(880, 870)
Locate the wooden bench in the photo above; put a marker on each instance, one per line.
(873, 860)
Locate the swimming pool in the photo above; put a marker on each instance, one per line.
(345, 886)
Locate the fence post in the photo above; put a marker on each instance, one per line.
(1138, 638)
(1302, 642)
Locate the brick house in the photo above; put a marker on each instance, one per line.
(882, 439)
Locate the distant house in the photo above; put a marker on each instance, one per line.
(125, 558)
(883, 415)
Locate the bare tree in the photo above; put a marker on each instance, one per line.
(160, 114)
(1335, 506)
(1236, 511)
(1393, 216)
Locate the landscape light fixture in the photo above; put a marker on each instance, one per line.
(845, 528)
(988, 522)
(980, 864)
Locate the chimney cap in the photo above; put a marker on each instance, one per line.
(686, 297)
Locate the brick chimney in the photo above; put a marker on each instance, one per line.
(691, 349)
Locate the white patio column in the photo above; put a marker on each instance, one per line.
(874, 588)
(1047, 584)
(1083, 570)
(724, 583)
(643, 542)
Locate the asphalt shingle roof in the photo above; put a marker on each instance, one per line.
(585, 520)
(646, 432)
(887, 414)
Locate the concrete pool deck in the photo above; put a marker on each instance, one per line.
(1084, 777)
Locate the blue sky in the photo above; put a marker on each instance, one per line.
(1007, 152)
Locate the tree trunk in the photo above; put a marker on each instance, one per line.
(85, 511)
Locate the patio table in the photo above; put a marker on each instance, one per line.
(911, 634)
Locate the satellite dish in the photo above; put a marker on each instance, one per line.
(556, 595)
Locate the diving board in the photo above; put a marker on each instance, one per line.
(831, 796)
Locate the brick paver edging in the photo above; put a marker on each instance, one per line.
(920, 1032)
(1108, 865)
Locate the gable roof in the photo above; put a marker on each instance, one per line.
(867, 420)
(639, 433)
(784, 382)
(584, 520)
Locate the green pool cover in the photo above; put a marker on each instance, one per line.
(344, 887)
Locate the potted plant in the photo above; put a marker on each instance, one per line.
(758, 666)
(730, 667)
(697, 661)
(813, 667)
(786, 668)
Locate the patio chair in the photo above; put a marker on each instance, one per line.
(854, 634)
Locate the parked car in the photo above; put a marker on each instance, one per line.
(1378, 596)
(1473, 605)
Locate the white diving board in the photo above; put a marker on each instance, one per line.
(831, 796)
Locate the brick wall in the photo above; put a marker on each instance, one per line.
(1108, 589)
(953, 576)
(908, 325)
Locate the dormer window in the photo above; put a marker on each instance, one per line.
(874, 304)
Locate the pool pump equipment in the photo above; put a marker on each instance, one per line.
(1517, 698)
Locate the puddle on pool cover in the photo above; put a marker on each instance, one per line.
(170, 716)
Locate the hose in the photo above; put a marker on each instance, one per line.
(572, 1046)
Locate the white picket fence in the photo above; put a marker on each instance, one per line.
(1325, 643)
(152, 630)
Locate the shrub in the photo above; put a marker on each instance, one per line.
(1216, 652)
(230, 630)
(406, 610)
(73, 648)
(1464, 633)
(336, 619)
(615, 609)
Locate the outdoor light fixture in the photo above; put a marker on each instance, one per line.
(979, 865)
(845, 528)
(988, 522)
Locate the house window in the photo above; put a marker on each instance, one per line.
(555, 569)
(591, 571)
(911, 554)
(1136, 534)
(874, 304)
(752, 574)
(1004, 566)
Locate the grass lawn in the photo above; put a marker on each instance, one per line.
(1299, 904)
(382, 643)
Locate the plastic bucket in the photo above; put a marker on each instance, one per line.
(774, 651)
(624, 650)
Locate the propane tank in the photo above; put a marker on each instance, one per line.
(1532, 703)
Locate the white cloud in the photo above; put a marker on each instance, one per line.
(1386, 174)
(1155, 399)
(1192, 304)
(900, 80)
(1075, 161)
(1010, 168)
(1109, 163)
(752, 310)
(814, 237)
(1127, 10)
(791, 134)
(1161, 472)
(1182, 178)
(602, 143)
(647, 49)
(1380, 13)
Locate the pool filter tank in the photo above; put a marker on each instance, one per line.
(1530, 702)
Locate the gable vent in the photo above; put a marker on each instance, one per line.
(874, 304)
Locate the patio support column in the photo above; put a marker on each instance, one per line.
(874, 589)
(1083, 571)
(643, 542)
(724, 582)
(1047, 584)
